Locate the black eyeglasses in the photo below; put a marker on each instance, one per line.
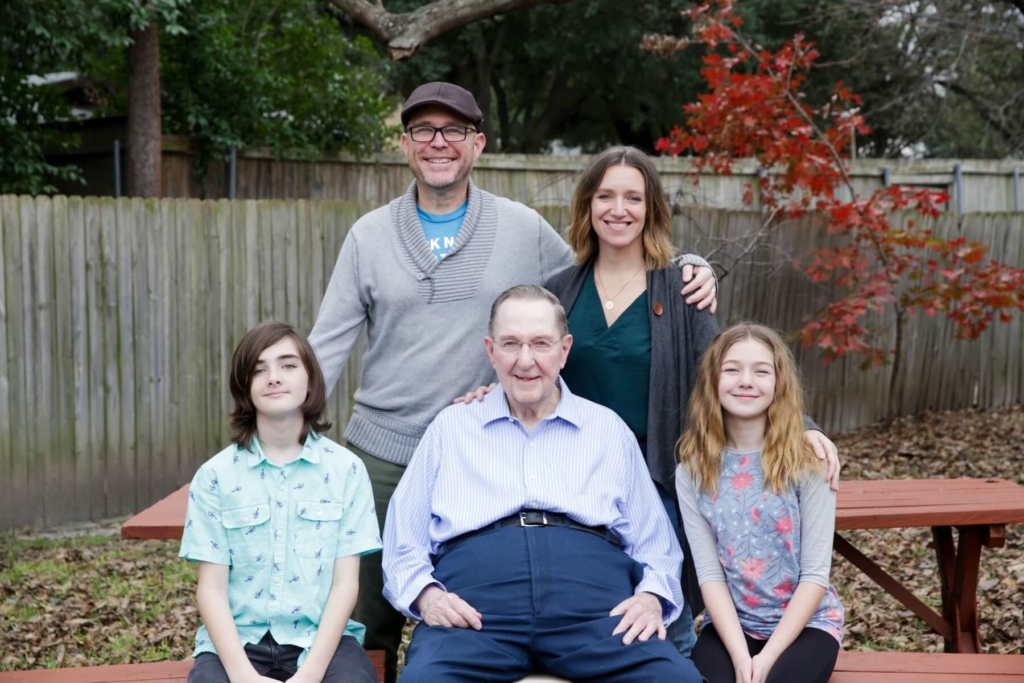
(449, 133)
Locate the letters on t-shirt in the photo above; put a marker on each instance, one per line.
(441, 231)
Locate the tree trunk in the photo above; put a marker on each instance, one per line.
(144, 122)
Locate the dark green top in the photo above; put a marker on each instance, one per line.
(611, 366)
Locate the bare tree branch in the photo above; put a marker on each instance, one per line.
(405, 33)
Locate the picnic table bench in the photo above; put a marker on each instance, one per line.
(979, 509)
(853, 667)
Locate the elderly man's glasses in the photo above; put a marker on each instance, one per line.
(540, 347)
(449, 133)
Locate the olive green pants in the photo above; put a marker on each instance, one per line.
(383, 623)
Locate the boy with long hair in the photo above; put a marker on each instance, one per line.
(277, 522)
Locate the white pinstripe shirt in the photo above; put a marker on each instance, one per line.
(477, 464)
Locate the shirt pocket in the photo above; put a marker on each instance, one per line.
(248, 532)
(316, 528)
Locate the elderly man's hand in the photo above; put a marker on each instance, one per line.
(641, 618)
(441, 608)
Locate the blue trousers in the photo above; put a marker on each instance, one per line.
(544, 594)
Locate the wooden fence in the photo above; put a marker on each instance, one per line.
(538, 180)
(118, 319)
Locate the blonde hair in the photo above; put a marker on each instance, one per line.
(657, 236)
(785, 454)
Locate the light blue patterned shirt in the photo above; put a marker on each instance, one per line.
(477, 464)
(280, 528)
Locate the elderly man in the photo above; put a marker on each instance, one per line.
(421, 274)
(527, 534)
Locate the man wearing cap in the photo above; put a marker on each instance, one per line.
(421, 274)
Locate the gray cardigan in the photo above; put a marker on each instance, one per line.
(679, 336)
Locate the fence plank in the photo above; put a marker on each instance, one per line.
(61, 490)
(78, 356)
(289, 258)
(35, 372)
(96, 446)
(145, 215)
(45, 484)
(127, 258)
(196, 287)
(6, 509)
(265, 257)
(15, 270)
(165, 341)
(117, 487)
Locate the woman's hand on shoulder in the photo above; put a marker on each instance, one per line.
(477, 395)
(827, 451)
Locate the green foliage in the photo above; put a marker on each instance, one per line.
(38, 37)
(233, 73)
(572, 72)
(283, 75)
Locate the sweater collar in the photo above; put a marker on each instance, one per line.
(410, 229)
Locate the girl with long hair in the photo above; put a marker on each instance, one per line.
(759, 517)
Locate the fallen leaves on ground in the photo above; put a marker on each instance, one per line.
(92, 600)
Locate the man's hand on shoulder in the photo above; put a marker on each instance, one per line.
(701, 287)
(641, 618)
(441, 608)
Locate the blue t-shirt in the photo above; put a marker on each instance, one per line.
(442, 229)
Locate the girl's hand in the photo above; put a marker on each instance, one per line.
(743, 668)
(827, 451)
(760, 665)
(477, 395)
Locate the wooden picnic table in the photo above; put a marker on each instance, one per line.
(979, 509)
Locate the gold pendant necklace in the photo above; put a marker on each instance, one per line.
(610, 303)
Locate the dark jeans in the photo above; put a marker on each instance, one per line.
(810, 659)
(280, 662)
(383, 622)
(544, 594)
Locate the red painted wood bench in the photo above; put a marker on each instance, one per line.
(853, 667)
(156, 672)
(979, 509)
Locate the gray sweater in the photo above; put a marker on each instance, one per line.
(426, 319)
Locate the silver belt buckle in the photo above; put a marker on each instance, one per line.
(543, 517)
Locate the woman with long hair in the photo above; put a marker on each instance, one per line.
(636, 341)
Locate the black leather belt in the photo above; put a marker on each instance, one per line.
(528, 518)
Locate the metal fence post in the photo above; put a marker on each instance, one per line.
(1016, 189)
(958, 174)
(757, 183)
(886, 176)
(233, 173)
(117, 168)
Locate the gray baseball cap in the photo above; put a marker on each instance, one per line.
(447, 95)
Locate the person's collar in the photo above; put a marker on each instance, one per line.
(495, 406)
(406, 220)
(310, 450)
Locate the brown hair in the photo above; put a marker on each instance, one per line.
(657, 236)
(530, 293)
(243, 367)
(786, 453)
